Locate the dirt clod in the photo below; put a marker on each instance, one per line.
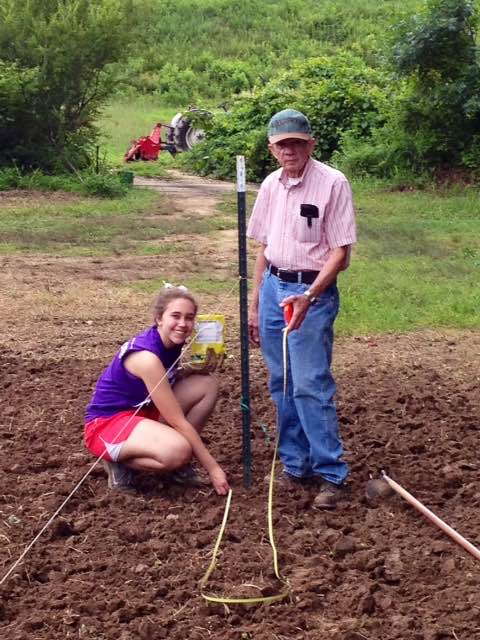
(378, 488)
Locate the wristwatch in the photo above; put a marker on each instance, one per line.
(309, 296)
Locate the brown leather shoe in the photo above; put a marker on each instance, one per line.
(328, 496)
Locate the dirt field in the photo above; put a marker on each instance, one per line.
(126, 567)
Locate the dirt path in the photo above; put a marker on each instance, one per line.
(199, 196)
(190, 194)
(183, 184)
(126, 567)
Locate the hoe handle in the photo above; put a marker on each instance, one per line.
(474, 551)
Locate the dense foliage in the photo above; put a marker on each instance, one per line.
(441, 108)
(55, 75)
(420, 115)
(191, 50)
(434, 122)
(398, 101)
(338, 93)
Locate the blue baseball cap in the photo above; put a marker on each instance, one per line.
(289, 123)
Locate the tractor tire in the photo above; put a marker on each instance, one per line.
(185, 135)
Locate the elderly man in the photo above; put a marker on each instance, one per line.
(304, 220)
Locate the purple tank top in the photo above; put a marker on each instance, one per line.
(119, 390)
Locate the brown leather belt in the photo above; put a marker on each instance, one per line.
(300, 277)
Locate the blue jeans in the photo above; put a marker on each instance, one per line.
(309, 443)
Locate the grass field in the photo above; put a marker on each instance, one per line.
(417, 262)
(195, 50)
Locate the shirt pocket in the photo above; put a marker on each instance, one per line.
(308, 229)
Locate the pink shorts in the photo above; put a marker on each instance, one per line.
(106, 436)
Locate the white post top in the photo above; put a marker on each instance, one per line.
(241, 174)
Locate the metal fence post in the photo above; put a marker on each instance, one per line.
(242, 262)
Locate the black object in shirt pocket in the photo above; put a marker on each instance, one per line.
(308, 223)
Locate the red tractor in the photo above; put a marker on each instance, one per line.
(180, 135)
(148, 147)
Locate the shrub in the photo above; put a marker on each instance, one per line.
(55, 74)
(10, 178)
(434, 121)
(104, 185)
(363, 157)
(233, 77)
(338, 94)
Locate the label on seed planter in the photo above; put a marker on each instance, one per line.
(209, 335)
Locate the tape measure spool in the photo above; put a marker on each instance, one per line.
(288, 312)
(209, 334)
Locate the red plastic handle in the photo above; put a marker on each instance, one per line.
(288, 312)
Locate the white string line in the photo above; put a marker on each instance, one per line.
(85, 476)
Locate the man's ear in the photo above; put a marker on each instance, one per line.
(271, 148)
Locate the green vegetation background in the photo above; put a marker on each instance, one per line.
(417, 263)
(197, 50)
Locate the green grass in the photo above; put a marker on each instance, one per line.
(416, 265)
(83, 226)
(140, 223)
(195, 50)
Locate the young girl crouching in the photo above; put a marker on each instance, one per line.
(140, 416)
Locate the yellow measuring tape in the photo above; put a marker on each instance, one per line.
(264, 599)
(258, 600)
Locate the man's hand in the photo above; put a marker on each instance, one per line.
(300, 306)
(211, 363)
(253, 326)
(219, 481)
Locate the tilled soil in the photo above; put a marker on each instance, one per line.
(126, 567)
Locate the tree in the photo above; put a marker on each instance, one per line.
(56, 71)
(338, 93)
(439, 111)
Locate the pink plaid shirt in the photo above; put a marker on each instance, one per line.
(276, 221)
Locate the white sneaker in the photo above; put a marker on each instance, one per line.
(120, 477)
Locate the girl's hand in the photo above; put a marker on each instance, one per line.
(219, 481)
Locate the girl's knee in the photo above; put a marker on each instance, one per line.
(179, 455)
(204, 390)
(195, 389)
(211, 387)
